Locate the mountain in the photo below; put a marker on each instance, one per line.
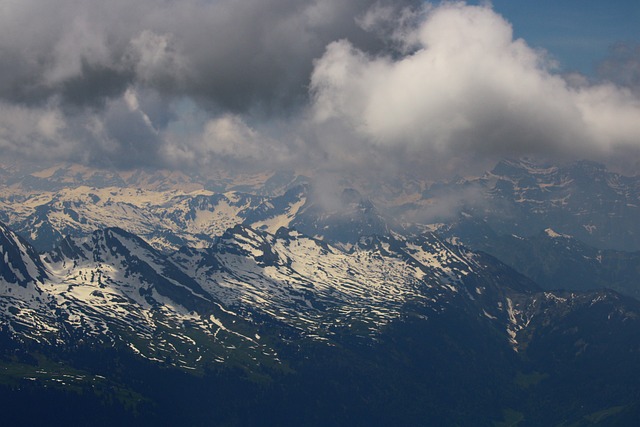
(343, 220)
(559, 261)
(581, 199)
(298, 281)
(169, 220)
(21, 264)
(296, 325)
(156, 298)
(170, 210)
(570, 226)
(114, 289)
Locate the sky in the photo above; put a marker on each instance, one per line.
(578, 33)
(368, 86)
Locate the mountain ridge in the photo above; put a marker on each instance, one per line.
(251, 302)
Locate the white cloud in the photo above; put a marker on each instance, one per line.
(227, 141)
(30, 129)
(469, 87)
(156, 59)
(230, 136)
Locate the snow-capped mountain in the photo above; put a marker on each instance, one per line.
(558, 261)
(289, 297)
(167, 220)
(581, 199)
(167, 208)
(171, 219)
(263, 301)
(20, 262)
(114, 287)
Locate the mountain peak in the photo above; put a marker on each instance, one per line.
(19, 262)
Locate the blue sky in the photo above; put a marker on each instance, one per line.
(578, 33)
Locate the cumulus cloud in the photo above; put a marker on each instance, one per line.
(374, 85)
(82, 57)
(228, 139)
(470, 89)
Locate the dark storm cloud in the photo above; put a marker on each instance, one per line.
(134, 141)
(234, 54)
(49, 47)
(94, 85)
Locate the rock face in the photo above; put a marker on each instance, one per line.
(581, 199)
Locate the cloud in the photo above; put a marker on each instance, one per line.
(229, 140)
(237, 55)
(34, 130)
(622, 66)
(118, 135)
(469, 89)
(374, 87)
(249, 59)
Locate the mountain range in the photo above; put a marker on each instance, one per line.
(283, 306)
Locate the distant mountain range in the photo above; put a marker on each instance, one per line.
(287, 307)
(581, 199)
